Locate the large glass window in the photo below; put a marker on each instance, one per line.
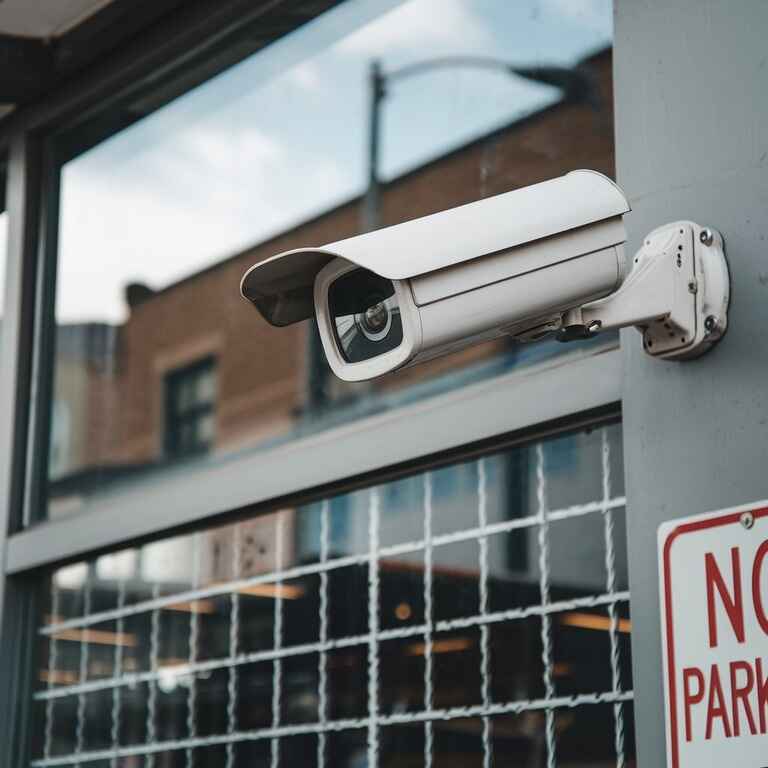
(472, 614)
(159, 222)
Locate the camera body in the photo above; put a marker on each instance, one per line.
(548, 258)
(506, 265)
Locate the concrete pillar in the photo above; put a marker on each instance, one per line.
(691, 85)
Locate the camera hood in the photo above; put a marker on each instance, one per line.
(281, 287)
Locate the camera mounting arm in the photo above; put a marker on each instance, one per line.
(676, 295)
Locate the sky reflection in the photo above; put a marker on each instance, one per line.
(281, 136)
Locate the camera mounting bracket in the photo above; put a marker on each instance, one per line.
(676, 295)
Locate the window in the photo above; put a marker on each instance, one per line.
(159, 222)
(190, 409)
(387, 629)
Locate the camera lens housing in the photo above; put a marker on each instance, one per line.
(369, 324)
(365, 314)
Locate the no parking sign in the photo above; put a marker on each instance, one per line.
(714, 599)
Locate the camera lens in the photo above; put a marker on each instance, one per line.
(366, 315)
(375, 321)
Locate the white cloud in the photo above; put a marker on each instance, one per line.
(304, 76)
(182, 209)
(433, 25)
(141, 235)
(216, 148)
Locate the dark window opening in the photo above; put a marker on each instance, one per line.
(190, 403)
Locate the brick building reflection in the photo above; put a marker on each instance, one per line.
(111, 411)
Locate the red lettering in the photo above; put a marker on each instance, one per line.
(762, 693)
(691, 698)
(741, 693)
(757, 592)
(716, 705)
(734, 606)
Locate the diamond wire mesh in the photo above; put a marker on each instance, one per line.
(374, 721)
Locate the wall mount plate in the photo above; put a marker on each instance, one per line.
(676, 294)
(701, 291)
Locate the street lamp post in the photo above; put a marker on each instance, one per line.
(575, 84)
(377, 92)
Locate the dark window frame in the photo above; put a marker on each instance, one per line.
(177, 416)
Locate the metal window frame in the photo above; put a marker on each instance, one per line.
(180, 52)
(25, 192)
(473, 420)
(176, 417)
(576, 389)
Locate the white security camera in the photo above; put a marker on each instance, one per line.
(545, 259)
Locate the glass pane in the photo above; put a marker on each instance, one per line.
(205, 386)
(307, 629)
(205, 429)
(159, 223)
(185, 393)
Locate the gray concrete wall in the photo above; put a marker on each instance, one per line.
(691, 80)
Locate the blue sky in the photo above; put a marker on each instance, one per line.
(281, 136)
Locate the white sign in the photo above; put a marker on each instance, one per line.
(714, 603)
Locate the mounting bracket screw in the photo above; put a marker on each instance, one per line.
(748, 520)
(706, 237)
(710, 323)
(692, 286)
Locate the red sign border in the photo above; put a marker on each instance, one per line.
(727, 518)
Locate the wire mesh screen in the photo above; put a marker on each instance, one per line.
(474, 615)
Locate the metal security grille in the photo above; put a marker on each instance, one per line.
(98, 709)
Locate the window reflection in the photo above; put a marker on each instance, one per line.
(159, 222)
(190, 405)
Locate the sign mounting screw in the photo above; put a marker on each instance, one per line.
(748, 520)
(706, 237)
